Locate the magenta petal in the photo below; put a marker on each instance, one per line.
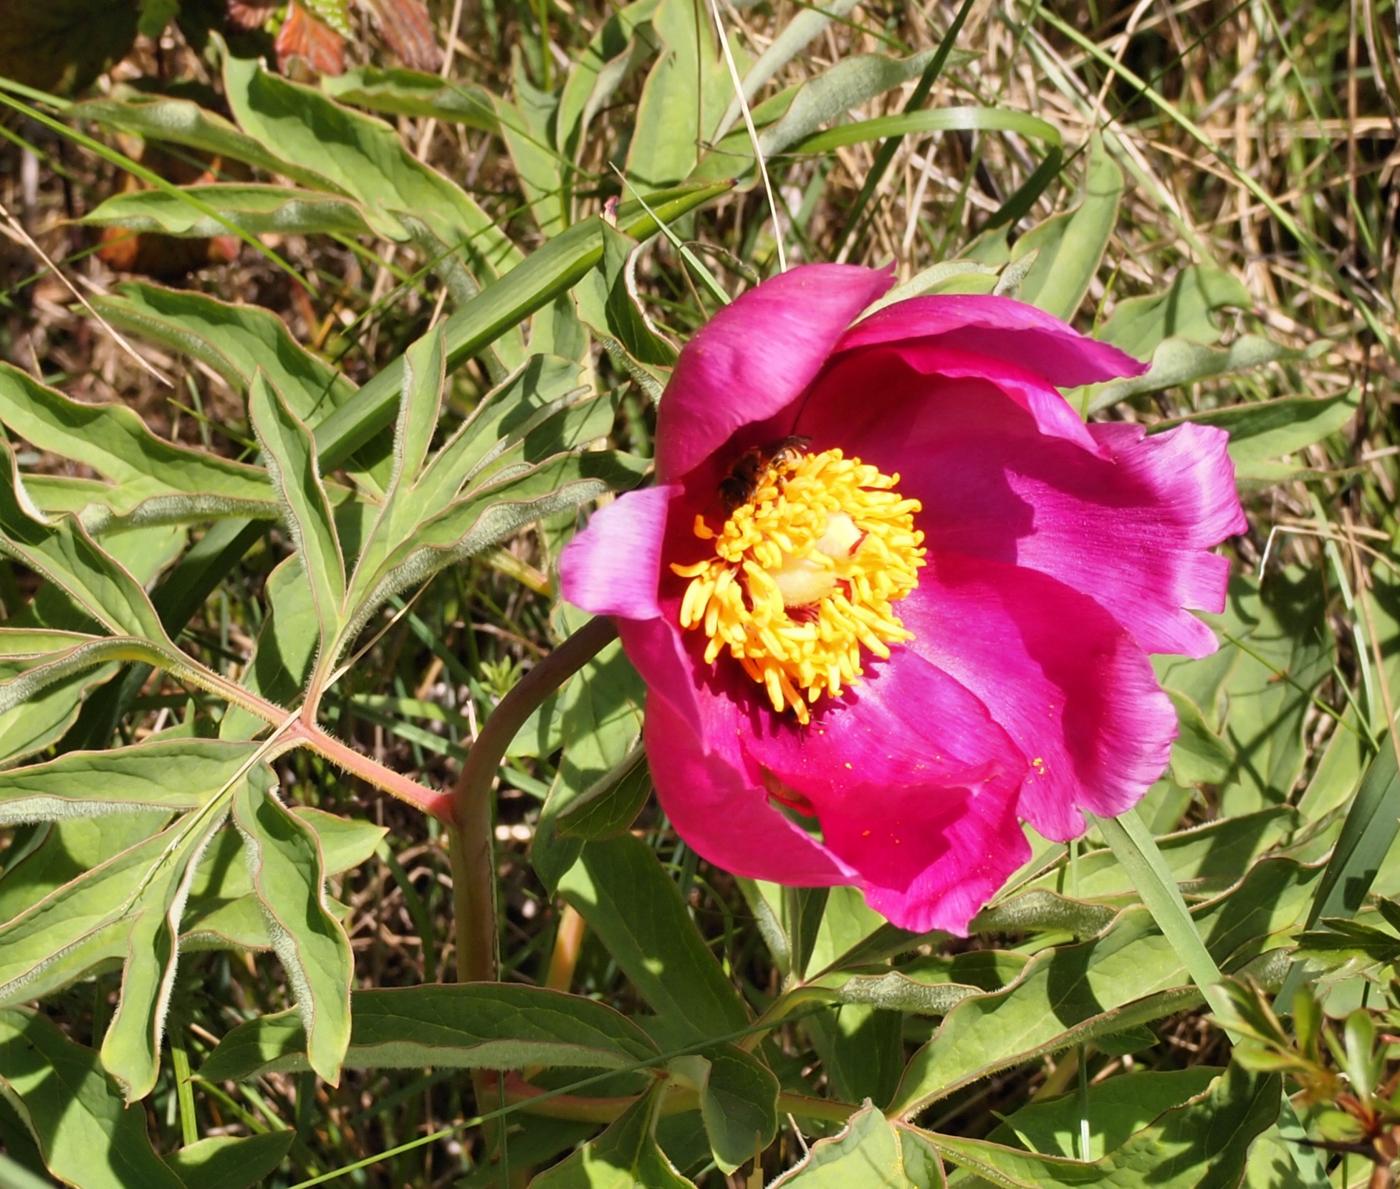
(755, 357)
(915, 788)
(717, 804)
(1133, 530)
(613, 567)
(1069, 685)
(999, 328)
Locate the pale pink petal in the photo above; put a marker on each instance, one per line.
(717, 804)
(1133, 531)
(1001, 329)
(755, 357)
(613, 566)
(914, 787)
(1069, 685)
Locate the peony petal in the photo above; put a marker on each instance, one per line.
(1132, 530)
(755, 357)
(613, 567)
(1068, 684)
(915, 788)
(999, 328)
(717, 804)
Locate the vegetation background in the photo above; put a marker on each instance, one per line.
(241, 261)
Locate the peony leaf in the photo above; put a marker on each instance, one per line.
(461, 1026)
(866, 1152)
(290, 451)
(609, 805)
(1070, 247)
(63, 554)
(620, 889)
(738, 1103)
(258, 210)
(399, 92)
(1129, 974)
(288, 873)
(163, 774)
(149, 930)
(625, 1155)
(87, 1135)
(1139, 324)
(613, 53)
(363, 157)
(226, 1162)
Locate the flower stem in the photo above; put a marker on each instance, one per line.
(470, 846)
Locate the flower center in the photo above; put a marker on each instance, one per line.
(805, 573)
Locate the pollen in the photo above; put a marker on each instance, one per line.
(803, 576)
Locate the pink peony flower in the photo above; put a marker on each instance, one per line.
(891, 597)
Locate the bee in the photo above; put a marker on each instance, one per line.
(741, 481)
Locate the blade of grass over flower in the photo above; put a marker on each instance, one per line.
(886, 153)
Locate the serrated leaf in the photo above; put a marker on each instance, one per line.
(88, 1136)
(462, 1026)
(226, 1162)
(288, 873)
(290, 451)
(257, 209)
(619, 888)
(171, 775)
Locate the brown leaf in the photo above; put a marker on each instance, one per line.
(408, 29)
(249, 14)
(313, 41)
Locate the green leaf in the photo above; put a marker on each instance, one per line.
(364, 158)
(627, 899)
(1071, 246)
(150, 932)
(610, 805)
(64, 554)
(113, 440)
(257, 209)
(170, 775)
(612, 54)
(401, 92)
(461, 1026)
(43, 715)
(1114, 1109)
(1199, 755)
(290, 451)
(1129, 974)
(1203, 1144)
(543, 275)
(738, 1102)
(683, 99)
(1178, 361)
(288, 873)
(1261, 431)
(943, 119)
(225, 1162)
(866, 1152)
(1139, 324)
(88, 1136)
(626, 1155)
(235, 341)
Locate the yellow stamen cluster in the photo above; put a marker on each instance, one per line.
(805, 574)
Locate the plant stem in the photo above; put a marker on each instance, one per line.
(470, 845)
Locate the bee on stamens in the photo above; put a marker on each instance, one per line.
(742, 480)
